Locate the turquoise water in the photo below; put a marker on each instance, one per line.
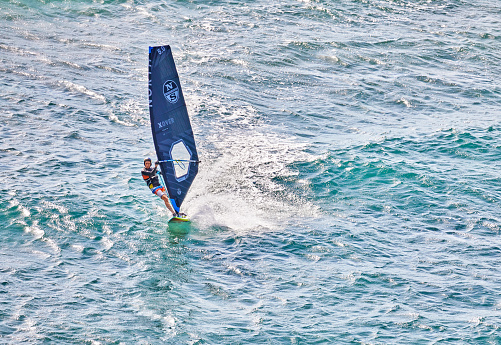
(349, 191)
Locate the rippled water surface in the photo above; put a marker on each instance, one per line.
(349, 191)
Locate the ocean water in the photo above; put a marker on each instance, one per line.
(349, 191)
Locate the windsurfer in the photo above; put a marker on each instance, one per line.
(151, 179)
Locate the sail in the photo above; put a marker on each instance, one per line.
(170, 125)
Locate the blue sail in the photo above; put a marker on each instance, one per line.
(170, 126)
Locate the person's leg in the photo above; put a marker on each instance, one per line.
(166, 200)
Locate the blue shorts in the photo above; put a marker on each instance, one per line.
(159, 190)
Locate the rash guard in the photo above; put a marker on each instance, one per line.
(150, 177)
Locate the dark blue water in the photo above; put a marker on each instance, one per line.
(349, 191)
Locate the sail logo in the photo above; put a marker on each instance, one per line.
(165, 124)
(171, 91)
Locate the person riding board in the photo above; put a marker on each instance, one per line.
(151, 178)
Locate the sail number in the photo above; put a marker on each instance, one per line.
(160, 50)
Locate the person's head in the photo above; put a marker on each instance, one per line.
(147, 163)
